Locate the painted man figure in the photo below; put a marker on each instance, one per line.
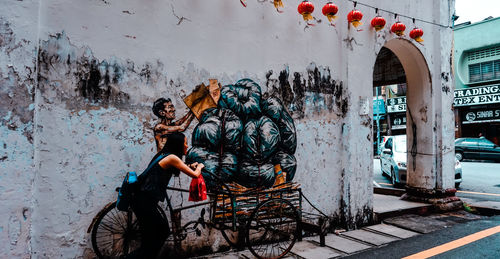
(165, 110)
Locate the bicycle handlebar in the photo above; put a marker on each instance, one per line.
(219, 182)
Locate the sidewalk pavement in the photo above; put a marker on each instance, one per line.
(398, 219)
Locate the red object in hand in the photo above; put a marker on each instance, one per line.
(197, 189)
(378, 23)
(355, 17)
(305, 9)
(417, 34)
(398, 28)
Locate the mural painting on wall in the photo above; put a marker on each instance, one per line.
(241, 137)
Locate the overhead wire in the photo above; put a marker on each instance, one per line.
(398, 14)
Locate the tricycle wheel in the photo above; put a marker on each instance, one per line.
(115, 233)
(234, 238)
(272, 229)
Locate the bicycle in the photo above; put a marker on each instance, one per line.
(267, 221)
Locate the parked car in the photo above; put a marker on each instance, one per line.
(381, 146)
(393, 161)
(476, 148)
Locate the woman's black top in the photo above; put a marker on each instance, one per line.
(154, 180)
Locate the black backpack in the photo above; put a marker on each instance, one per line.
(131, 183)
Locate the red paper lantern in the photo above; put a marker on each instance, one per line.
(330, 10)
(398, 28)
(378, 23)
(305, 9)
(355, 17)
(417, 34)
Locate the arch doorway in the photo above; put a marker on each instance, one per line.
(402, 79)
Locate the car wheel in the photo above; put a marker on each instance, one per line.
(457, 185)
(459, 155)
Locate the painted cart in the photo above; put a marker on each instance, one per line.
(267, 221)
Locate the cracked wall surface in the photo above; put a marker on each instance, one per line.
(78, 111)
(17, 82)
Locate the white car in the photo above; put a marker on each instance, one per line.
(393, 161)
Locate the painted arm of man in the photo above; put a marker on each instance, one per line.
(162, 129)
(186, 119)
(175, 161)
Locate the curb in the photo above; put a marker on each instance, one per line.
(485, 211)
(389, 191)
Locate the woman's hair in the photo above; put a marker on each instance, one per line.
(174, 144)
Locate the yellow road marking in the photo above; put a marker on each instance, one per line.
(385, 183)
(455, 244)
(481, 193)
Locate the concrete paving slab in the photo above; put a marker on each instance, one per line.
(313, 238)
(417, 223)
(393, 231)
(369, 237)
(236, 255)
(310, 250)
(389, 203)
(344, 245)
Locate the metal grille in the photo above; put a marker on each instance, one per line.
(484, 71)
(484, 53)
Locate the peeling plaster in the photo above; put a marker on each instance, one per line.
(315, 89)
(94, 120)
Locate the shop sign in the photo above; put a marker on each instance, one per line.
(398, 122)
(479, 116)
(477, 95)
(396, 104)
(378, 106)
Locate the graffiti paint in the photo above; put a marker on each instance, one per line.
(248, 129)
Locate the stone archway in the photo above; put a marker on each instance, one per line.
(429, 168)
(418, 109)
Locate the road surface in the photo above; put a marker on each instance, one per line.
(481, 180)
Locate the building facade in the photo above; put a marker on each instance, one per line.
(477, 79)
(78, 79)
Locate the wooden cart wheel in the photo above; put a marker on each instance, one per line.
(272, 229)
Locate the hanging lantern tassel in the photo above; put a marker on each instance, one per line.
(330, 10)
(305, 9)
(378, 23)
(243, 3)
(354, 17)
(278, 4)
(417, 34)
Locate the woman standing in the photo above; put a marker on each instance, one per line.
(152, 184)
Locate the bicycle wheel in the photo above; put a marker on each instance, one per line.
(116, 233)
(272, 229)
(235, 239)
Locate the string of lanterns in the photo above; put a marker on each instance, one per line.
(354, 18)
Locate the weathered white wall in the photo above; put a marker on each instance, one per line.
(18, 42)
(101, 64)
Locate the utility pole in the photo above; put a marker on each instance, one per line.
(378, 121)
